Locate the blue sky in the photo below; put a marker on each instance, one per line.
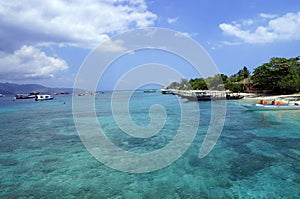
(45, 42)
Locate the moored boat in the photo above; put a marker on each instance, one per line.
(274, 104)
(166, 91)
(149, 91)
(43, 97)
(31, 95)
(233, 96)
(64, 93)
(24, 96)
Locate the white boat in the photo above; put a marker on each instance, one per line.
(43, 97)
(2, 95)
(274, 105)
(166, 91)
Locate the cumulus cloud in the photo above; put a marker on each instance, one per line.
(75, 23)
(172, 20)
(185, 34)
(112, 46)
(28, 26)
(286, 27)
(29, 62)
(267, 16)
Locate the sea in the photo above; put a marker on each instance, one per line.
(42, 154)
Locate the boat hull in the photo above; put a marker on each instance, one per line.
(43, 97)
(24, 97)
(166, 91)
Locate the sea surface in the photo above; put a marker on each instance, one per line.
(42, 156)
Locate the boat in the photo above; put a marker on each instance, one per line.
(24, 96)
(149, 91)
(166, 91)
(64, 93)
(43, 97)
(31, 95)
(82, 94)
(208, 95)
(233, 96)
(34, 93)
(274, 104)
(2, 95)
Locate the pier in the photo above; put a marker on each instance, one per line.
(204, 95)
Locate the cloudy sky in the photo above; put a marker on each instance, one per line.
(46, 41)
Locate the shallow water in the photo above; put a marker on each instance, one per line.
(42, 156)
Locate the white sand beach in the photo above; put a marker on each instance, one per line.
(256, 97)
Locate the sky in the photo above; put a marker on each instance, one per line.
(46, 42)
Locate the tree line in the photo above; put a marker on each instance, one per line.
(279, 75)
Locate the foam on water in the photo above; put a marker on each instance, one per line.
(257, 155)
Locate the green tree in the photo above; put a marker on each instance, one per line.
(184, 84)
(243, 73)
(198, 84)
(234, 87)
(174, 85)
(217, 82)
(279, 75)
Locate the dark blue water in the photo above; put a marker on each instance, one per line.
(42, 156)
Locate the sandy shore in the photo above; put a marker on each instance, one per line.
(248, 97)
(256, 97)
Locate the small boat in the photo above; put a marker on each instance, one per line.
(88, 93)
(166, 91)
(233, 96)
(2, 95)
(43, 97)
(24, 96)
(64, 93)
(83, 93)
(149, 91)
(274, 105)
(34, 93)
(31, 95)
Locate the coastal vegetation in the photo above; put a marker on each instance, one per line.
(279, 75)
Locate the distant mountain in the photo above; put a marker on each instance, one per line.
(9, 88)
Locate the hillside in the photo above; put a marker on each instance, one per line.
(12, 89)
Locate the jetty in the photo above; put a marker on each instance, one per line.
(204, 95)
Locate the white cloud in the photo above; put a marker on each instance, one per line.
(172, 20)
(267, 16)
(286, 27)
(26, 26)
(29, 63)
(228, 43)
(185, 34)
(247, 22)
(74, 23)
(112, 46)
(182, 34)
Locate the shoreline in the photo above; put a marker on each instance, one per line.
(253, 96)
(247, 96)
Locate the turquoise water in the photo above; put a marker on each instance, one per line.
(257, 155)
